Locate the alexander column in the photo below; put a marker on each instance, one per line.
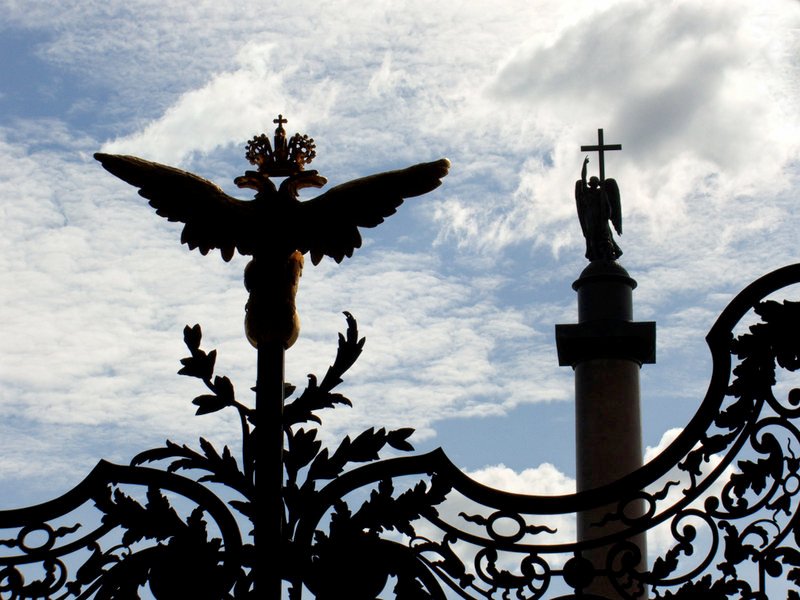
(606, 348)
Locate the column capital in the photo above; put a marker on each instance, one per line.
(605, 328)
(606, 338)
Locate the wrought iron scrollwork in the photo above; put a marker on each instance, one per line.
(119, 530)
(725, 493)
(720, 505)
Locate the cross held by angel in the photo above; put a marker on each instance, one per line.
(598, 203)
(276, 228)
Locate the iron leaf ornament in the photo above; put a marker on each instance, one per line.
(362, 519)
(310, 468)
(276, 228)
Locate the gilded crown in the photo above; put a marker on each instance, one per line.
(284, 157)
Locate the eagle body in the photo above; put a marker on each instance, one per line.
(275, 228)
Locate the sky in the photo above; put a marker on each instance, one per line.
(458, 293)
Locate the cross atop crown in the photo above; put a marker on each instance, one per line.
(284, 157)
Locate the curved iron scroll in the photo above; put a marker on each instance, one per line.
(721, 503)
(120, 530)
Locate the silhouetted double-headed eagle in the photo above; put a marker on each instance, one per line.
(276, 228)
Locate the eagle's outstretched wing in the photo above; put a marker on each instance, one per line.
(213, 219)
(612, 193)
(329, 223)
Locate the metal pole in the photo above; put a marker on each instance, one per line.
(269, 470)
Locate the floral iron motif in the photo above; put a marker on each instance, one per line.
(722, 501)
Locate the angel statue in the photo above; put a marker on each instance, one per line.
(275, 228)
(598, 203)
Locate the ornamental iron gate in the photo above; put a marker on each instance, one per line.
(198, 522)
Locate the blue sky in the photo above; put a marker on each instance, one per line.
(458, 293)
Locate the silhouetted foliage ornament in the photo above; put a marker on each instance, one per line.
(307, 465)
(276, 228)
(707, 589)
(360, 519)
(185, 562)
(360, 525)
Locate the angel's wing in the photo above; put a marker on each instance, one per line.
(580, 190)
(213, 219)
(329, 223)
(612, 193)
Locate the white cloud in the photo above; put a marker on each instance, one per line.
(97, 289)
(544, 480)
(691, 91)
(101, 290)
(232, 107)
(445, 347)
